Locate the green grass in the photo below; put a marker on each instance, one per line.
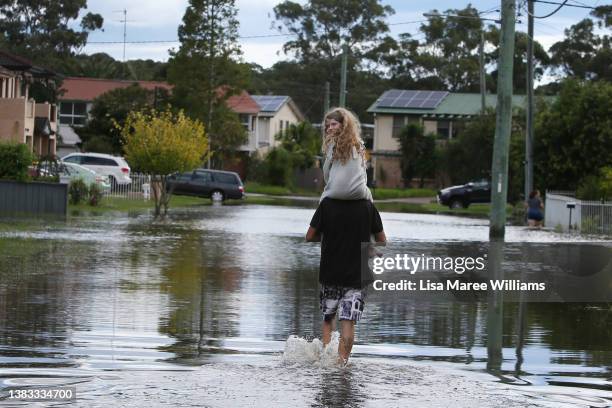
(379, 193)
(386, 193)
(255, 187)
(125, 204)
(275, 201)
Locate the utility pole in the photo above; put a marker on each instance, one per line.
(503, 122)
(342, 102)
(326, 100)
(124, 21)
(124, 31)
(483, 85)
(529, 119)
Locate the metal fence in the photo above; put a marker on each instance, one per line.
(139, 188)
(564, 211)
(33, 198)
(596, 217)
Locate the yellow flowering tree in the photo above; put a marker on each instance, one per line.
(163, 143)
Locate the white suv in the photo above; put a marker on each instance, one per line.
(115, 167)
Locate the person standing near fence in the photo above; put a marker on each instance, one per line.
(534, 209)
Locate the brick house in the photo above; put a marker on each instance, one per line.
(21, 118)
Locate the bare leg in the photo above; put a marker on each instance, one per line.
(347, 336)
(327, 328)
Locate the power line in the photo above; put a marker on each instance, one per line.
(552, 12)
(239, 37)
(563, 4)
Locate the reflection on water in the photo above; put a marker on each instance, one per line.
(208, 298)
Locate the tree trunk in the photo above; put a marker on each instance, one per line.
(157, 195)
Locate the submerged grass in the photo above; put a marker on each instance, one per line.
(113, 204)
(123, 205)
(474, 210)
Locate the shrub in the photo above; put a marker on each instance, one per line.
(518, 216)
(280, 167)
(95, 194)
(47, 179)
(15, 158)
(77, 191)
(257, 169)
(596, 187)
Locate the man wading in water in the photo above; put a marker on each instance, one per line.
(343, 226)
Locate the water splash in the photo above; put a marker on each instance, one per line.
(299, 350)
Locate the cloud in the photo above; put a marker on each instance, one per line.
(264, 54)
(140, 13)
(155, 52)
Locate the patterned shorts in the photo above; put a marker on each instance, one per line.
(348, 302)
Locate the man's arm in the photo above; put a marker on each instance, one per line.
(312, 235)
(380, 238)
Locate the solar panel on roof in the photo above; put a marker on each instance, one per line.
(396, 98)
(269, 103)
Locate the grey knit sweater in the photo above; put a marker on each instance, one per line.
(345, 181)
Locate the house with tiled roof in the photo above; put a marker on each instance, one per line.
(440, 113)
(77, 95)
(276, 114)
(23, 120)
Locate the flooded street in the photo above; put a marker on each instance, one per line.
(200, 309)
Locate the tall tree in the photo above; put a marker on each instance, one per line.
(583, 53)
(574, 135)
(541, 60)
(449, 51)
(110, 110)
(42, 29)
(205, 69)
(322, 27)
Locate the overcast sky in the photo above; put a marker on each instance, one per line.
(159, 19)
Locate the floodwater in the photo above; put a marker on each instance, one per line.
(218, 306)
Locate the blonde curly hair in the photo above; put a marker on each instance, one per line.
(346, 138)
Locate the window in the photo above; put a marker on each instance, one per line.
(244, 119)
(226, 178)
(399, 122)
(184, 177)
(73, 159)
(98, 161)
(73, 113)
(443, 129)
(202, 177)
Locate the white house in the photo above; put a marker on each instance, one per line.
(276, 113)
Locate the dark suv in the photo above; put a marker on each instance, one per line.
(214, 184)
(464, 195)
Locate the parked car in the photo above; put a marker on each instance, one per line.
(115, 167)
(464, 195)
(70, 171)
(214, 184)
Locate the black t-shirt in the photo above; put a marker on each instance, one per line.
(344, 225)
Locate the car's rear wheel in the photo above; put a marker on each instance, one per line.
(217, 195)
(456, 204)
